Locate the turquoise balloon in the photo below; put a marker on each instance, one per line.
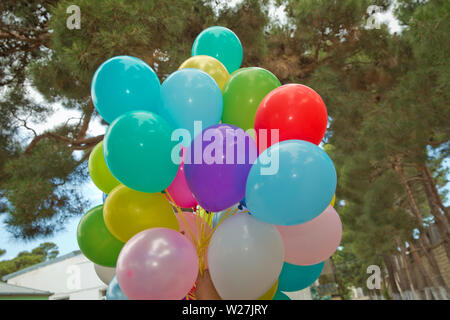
(123, 84)
(137, 148)
(190, 95)
(222, 44)
(294, 278)
(114, 292)
(280, 296)
(298, 187)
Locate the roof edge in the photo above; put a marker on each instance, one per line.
(42, 264)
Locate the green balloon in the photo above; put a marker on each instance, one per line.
(242, 94)
(95, 241)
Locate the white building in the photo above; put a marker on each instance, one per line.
(69, 277)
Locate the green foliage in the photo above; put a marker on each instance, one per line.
(44, 252)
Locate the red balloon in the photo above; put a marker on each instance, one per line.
(296, 110)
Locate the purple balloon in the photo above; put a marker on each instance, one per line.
(217, 165)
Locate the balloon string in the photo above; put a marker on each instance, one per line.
(180, 212)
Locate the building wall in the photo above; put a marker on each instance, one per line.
(73, 278)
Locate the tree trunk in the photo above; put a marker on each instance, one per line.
(407, 265)
(425, 245)
(393, 284)
(336, 280)
(435, 191)
(441, 222)
(419, 263)
(412, 202)
(424, 237)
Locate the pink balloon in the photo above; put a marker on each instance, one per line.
(179, 189)
(191, 220)
(157, 264)
(314, 241)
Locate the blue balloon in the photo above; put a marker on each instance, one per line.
(299, 186)
(123, 84)
(104, 196)
(294, 278)
(190, 95)
(138, 151)
(114, 292)
(220, 43)
(280, 296)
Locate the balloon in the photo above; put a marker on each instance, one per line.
(280, 296)
(179, 189)
(99, 172)
(95, 240)
(220, 43)
(190, 95)
(219, 215)
(138, 149)
(297, 111)
(127, 212)
(300, 187)
(190, 221)
(104, 196)
(333, 201)
(294, 278)
(105, 273)
(270, 293)
(314, 241)
(245, 257)
(114, 292)
(210, 65)
(217, 180)
(157, 264)
(242, 94)
(123, 84)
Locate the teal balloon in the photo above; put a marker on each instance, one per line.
(114, 292)
(190, 95)
(299, 186)
(294, 278)
(222, 44)
(280, 296)
(122, 84)
(137, 148)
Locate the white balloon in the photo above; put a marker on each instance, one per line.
(245, 257)
(105, 273)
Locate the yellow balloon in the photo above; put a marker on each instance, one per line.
(333, 201)
(210, 65)
(127, 212)
(270, 293)
(99, 172)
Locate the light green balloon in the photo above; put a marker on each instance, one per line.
(242, 94)
(99, 172)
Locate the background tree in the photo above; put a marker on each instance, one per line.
(44, 252)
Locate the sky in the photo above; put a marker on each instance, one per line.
(66, 240)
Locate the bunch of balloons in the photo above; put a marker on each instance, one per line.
(217, 169)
